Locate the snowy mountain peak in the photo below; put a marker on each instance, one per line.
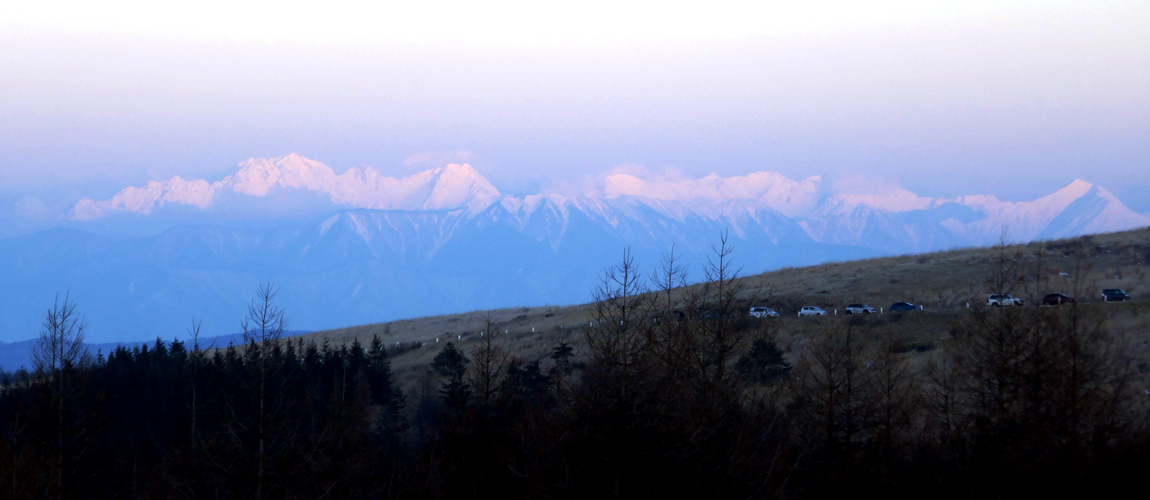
(257, 176)
(892, 201)
(1096, 210)
(144, 199)
(1060, 199)
(1079, 185)
(792, 198)
(459, 185)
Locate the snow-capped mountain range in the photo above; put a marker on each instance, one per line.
(362, 247)
(889, 219)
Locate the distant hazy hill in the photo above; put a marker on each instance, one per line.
(361, 247)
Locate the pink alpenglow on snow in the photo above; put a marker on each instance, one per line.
(850, 212)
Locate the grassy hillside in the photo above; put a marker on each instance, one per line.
(943, 282)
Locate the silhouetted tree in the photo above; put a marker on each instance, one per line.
(487, 372)
(451, 364)
(763, 362)
(59, 360)
(262, 330)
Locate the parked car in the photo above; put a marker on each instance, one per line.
(1003, 299)
(904, 306)
(1114, 295)
(811, 311)
(1055, 299)
(763, 312)
(861, 309)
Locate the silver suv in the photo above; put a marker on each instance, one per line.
(763, 312)
(860, 309)
(1003, 299)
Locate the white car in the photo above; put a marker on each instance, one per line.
(763, 312)
(861, 309)
(811, 311)
(1003, 299)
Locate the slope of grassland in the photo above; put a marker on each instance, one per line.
(943, 282)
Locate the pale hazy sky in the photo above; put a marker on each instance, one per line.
(1012, 99)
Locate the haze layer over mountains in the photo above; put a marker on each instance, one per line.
(362, 247)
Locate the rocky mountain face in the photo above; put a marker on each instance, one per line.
(362, 247)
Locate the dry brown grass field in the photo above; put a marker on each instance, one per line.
(943, 282)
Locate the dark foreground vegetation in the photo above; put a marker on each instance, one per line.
(676, 394)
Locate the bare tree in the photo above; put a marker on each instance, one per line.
(262, 331)
(1036, 281)
(943, 401)
(57, 358)
(1004, 274)
(265, 323)
(195, 360)
(894, 401)
(487, 373)
(670, 275)
(835, 385)
(720, 336)
(61, 342)
(618, 338)
(991, 354)
(672, 305)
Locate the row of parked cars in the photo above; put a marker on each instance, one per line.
(766, 312)
(1054, 299)
(994, 299)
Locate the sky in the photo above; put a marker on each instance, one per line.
(1013, 99)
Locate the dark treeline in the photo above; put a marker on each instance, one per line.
(673, 391)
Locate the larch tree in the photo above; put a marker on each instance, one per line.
(262, 331)
(57, 358)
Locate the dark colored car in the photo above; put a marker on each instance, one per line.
(903, 306)
(1114, 295)
(1055, 299)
